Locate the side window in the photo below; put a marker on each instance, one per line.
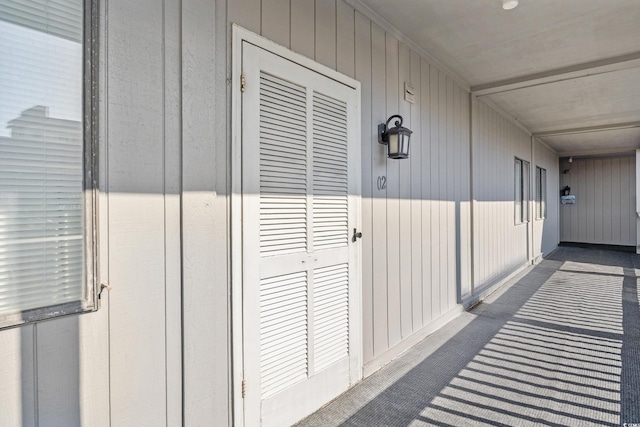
(541, 193)
(521, 193)
(46, 160)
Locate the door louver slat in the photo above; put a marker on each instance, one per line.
(299, 204)
(331, 311)
(283, 331)
(330, 179)
(283, 176)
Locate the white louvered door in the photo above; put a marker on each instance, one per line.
(300, 204)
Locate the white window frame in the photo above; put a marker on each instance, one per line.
(90, 291)
(541, 193)
(522, 171)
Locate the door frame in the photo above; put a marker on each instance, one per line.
(239, 36)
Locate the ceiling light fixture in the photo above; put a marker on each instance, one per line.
(509, 4)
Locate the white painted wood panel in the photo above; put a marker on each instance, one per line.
(434, 193)
(205, 217)
(415, 194)
(345, 39)
(464, 170)
(303, 17)
(394, 284)
(136, 214)
(500, 245)
(274, 14)
(451, 198)
(605, 190)
(379, 205)
(17, 372)
(325, 33)
(425, 194)
(247, 14)
(363, 74)
(172, 215)
(442, 200)
(404, 201)
(58, 361)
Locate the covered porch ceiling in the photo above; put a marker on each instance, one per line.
(567, 70)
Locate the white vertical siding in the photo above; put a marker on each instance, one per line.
(17, 376)
(413, 281)
(136, 212)
(205, 196)
(605, 190)
(164, 220)
(500, 245)
(123, 364)
(416, 231)
(363, 73)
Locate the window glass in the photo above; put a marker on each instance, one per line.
(521, 196)
(526, 179)
(541, 193)
(42, 202)
(518, 191)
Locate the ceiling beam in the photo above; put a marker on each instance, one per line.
(587, 129)
(616, 152)
(601, 66)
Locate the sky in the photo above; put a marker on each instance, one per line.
(37, 68)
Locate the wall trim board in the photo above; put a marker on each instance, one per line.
(621, 152)
(472, 242)
(383, 359)
(484, 291)
(393, 31)
(236, 231)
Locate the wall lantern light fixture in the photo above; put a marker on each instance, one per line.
(396, 138)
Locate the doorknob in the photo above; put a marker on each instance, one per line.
(356, 235)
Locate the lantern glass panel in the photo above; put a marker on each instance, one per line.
(393, 144)
(404, 145)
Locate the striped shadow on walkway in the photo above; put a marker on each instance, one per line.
(559, 347)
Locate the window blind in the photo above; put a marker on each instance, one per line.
(41, 154)
(518, 190)
(61, 18)
(541, 185)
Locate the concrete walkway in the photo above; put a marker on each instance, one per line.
(558, 347)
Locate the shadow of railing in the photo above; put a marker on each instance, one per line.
(545, 352)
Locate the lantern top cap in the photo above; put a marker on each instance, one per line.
(398, 125)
